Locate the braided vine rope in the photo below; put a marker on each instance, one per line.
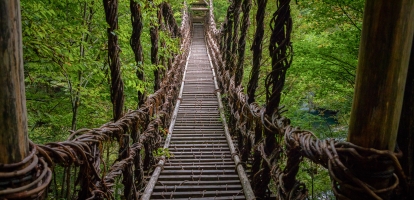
(27, 179)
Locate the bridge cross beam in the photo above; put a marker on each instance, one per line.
(199, 11)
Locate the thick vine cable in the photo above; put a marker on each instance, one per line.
(117, 85)
(135, 42)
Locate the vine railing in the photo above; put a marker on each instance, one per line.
(138, 133)
(270, 135)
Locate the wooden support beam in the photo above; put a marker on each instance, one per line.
(13, 121)
(381, 75)
(384, 55)
(199, 9)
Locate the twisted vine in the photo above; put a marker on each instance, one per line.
(135, 43)
(117, 85)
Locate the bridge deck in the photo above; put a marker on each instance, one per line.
(201, 166)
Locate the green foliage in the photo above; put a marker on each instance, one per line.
(220, 10)
(316, 179)
(66, 68)
(162, 152)
(326, 40)
(63, 47)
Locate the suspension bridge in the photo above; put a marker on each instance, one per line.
(209, 149)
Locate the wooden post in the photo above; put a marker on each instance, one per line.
(13, 122)
(384, 54)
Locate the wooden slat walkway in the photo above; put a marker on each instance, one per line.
(201, 166)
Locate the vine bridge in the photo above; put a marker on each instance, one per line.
(183, 142)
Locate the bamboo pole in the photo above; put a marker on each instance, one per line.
(13, 121)
(381, 75)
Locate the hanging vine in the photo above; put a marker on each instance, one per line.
(257, 50)
(135, 42)
(247, 5)
(154, 45)
(117, 85)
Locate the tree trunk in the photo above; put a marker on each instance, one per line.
(13, 120)
(386, 41)
(76, 95)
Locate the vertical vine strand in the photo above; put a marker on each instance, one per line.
(234, 39)
(251, 90)
(247, 5)
(135, 42)
(280, 50)
(117, 85)
(257, 50)
(229, 33)
(154, 46)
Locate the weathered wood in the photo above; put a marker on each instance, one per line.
(381, 76)
(382, 69)
(13, 120)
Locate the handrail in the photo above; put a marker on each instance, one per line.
(153, 180)
(247, 188)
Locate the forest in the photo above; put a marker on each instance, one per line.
(68, 79)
